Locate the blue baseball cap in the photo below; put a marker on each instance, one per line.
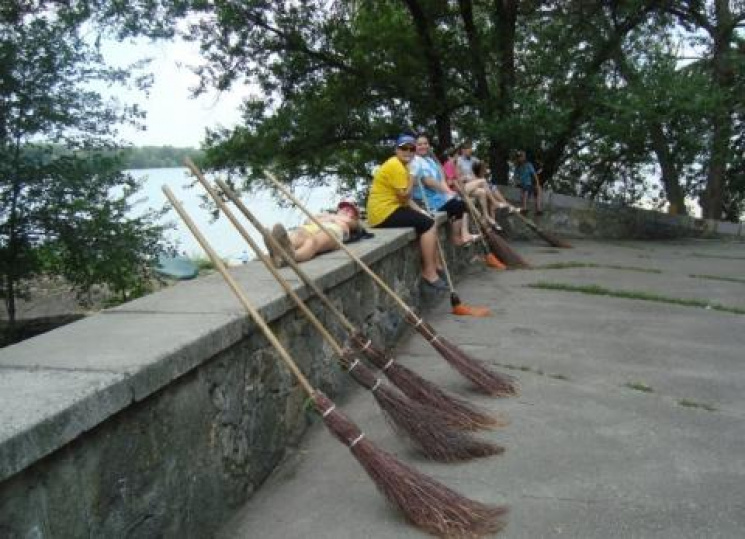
(402, 140)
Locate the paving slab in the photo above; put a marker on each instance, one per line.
(630, 423)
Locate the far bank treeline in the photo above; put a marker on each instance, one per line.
(139, 157)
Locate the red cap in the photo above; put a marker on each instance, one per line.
(350, 205)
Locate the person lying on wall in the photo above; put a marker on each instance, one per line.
(390, 205)
(309, 240)
(430, 175)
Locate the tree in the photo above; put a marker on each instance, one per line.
(719, 20)
(59, 210)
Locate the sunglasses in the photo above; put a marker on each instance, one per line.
(407, 148)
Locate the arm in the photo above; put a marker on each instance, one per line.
(404, 195)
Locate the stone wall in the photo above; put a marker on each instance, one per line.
(581, 218)
(160, 417)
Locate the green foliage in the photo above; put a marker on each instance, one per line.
(597, 290)
(597, 91)
(64, 212)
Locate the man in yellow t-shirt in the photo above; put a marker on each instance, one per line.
(389, 205)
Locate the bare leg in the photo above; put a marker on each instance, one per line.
(538, 195)
(456, 232)
(428, 246)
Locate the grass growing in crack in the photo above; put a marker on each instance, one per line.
(639, 386)
(693, 404)
(526, 368)
(568, 265)
(722, 257)
(597, 290)
(717, 278)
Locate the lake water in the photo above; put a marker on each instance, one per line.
(220, 233)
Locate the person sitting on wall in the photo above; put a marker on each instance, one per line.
(390, 205)
(439, 197)
(308, 240)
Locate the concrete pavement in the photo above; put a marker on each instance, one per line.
(631, 421)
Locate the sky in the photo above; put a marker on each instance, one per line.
(173, 117)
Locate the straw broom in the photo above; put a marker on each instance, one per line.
(497, 244)
(485, 380)
(422, 425)
(457, 412)
(426, 503)
(550, 238)
(459, 308)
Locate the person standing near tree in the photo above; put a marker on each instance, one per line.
(390, 205)
(527, 179)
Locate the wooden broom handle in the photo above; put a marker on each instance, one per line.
(343, 247)
(290, 260)
(239, 293)
(246, 236)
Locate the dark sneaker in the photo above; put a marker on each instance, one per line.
(539, 213)
(438, 284)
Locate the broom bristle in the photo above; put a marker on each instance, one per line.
(455, 411)
(493, 262)
(486, 381)
(469, 310)
(426, 503)
(550, 238)
(555, 241)
(504, 252)
(422, 425)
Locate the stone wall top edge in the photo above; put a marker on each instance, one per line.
(138, 348)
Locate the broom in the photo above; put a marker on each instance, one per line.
(456, 412)
(485, 380)
(497, 244)
(426, 503)
(422, 425)
(550, 238)
(459, 308)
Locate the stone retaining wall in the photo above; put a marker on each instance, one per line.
(581, 218)
(160, 417)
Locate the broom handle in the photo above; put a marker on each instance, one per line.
(239, 293)
(246, 236)
(290, 260)
(343, 247)
(437, 237)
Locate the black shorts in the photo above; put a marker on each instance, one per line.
(405, 217)
(528, 189)
(455, 208)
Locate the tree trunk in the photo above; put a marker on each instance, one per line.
(723, 75)
(670, 178)
(494, 108)
(435, 73)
